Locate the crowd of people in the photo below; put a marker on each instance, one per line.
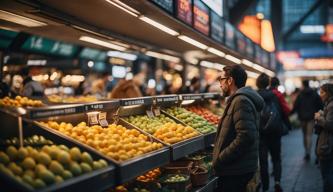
(254, 122)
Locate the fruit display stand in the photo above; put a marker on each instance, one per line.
(136, 165)
(99, 179)
(179, 149)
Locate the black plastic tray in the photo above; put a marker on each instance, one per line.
(180, 149)
(96, 180)
(129, 169)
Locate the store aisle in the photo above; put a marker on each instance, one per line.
(297, 174)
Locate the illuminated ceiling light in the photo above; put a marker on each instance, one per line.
(121, 44)
(192, 42)
(319, 29)
(124, 7)
(260, 16)
(218, 66)
(159, 26)
(252, 74)
(258, 67)
(102, 43)
(233, 59)
(207, 64)
(91, 64)
(122, 55)
(163, 56)
(8, 16)
(270, 73)
(247, 62)
(216, 52)
(9, 29)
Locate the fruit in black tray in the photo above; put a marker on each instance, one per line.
(40, 167)
(175, 179)
(191, 119)
(33, 140)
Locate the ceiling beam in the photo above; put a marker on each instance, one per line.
(294, 26)
(237, 12)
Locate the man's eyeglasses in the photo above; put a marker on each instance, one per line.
(222, 78)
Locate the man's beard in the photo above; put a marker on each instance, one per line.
(225, 93)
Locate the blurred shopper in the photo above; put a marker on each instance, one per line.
(270, 133)
(194, 86)
(235, 154)
(126, 89)
(275, 82)
(307, 103)
(324, 127)
(31, 88)
(99, 86)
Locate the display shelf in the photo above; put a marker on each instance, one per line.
(195, 97)
(178, 150)
(98, 180)
(137, 165)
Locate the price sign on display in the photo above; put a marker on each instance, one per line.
(201, 17)
(192, 97)
(93, 118)
(163, 99)
(210, 95)
(184, 11)
(54, 112)
(137, 101)
(102, 119)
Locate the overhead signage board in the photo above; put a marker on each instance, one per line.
(249, 48)
(93, 54)
(184, 11)
(217, 27)
(241, 42)
(165, 4)
(229, 35)
(6, 37)
(201, 17)
(215, 5)
(48, 46)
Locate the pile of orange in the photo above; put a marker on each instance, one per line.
(20, 102)
(115, 141)
(174, 133)
(150, 176)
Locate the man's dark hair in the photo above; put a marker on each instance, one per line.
(328, 88)
(262, 81)
(25, 71)
(305, 83)
(237, 73)
(275, 82)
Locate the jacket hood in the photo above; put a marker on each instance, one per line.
(266, 94)
(308, 91)
(257, 100)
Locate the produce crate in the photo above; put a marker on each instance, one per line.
(179, 167)
(178, 150)
(181, 186)
(199, 176)
(96, 180)
(128, 169)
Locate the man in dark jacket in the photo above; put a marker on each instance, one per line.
(235, 154)
(306, 105)
(270, 140)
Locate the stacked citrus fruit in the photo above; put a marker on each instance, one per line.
(114, 141)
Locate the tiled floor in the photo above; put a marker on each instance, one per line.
(297, 174)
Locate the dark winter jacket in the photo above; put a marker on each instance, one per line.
(236, 144)
(324, 147)
(307, 104)
(270, 96)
